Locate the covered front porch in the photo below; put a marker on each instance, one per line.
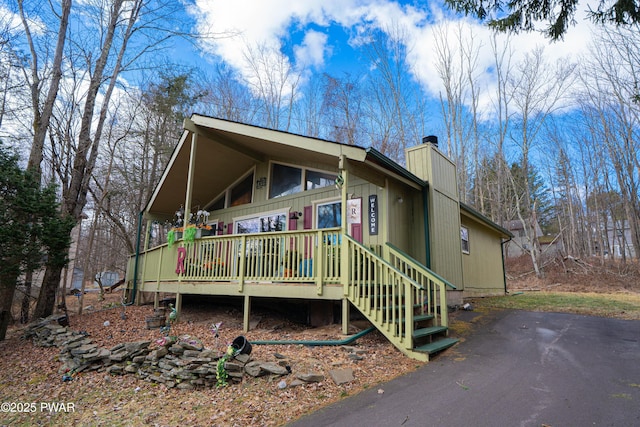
(394, 292)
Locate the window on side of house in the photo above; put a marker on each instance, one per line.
(464, 238)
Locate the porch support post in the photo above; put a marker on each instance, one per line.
(342, 166)
(178, 304)
(192, 167)
(156, 302)
(344, 254)
(385, 223)
(247, 313)
(147, 235)
(345, 316)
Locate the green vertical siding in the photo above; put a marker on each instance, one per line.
(431, 165)
(444, 228)
(482, 267)
(358, 188)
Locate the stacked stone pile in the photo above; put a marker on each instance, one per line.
(180, 362)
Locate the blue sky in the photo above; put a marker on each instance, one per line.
(320, 36)
(326, 35)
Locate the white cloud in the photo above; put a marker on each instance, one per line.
(312, 50)
(268, 22)
(11, 21)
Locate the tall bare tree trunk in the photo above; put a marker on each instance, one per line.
(75, 196)
(42, 113)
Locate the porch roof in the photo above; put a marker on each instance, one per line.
(225, 150)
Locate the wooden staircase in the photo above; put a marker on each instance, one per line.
(430, 339)
(401, 297)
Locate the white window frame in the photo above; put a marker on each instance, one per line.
(260, 215)
(464, 237)
(316, 204)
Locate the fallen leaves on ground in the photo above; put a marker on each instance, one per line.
(30, 373)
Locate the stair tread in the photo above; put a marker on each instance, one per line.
(421, 317)
(418, 318)
(436, 346)
(423, 332)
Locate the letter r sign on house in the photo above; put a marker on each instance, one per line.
(182, 255)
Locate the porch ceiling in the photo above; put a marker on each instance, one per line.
(224, 152)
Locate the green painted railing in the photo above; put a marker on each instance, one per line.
(389, 293)
(433, 298)
(385, 295)
(291, 256)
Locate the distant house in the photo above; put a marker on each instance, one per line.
(619, 239)
(106, 278)
(77, 278)
(339, 226)
(519, 244)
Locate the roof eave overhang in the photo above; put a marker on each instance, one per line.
(378, 160)
(163, 178)
(325, 147)
(474, 214)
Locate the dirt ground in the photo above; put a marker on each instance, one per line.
(574, 275)
(30, 374)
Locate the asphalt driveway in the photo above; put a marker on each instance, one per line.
(519, 369)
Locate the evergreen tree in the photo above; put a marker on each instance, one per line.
(33, 231)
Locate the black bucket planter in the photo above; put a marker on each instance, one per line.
(241, 345)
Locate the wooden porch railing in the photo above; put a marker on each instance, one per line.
(384, 294)
(433, 295)
(391, 294)
(291, 256)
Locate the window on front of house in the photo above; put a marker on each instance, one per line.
(464, 238)
(328, 215)
(218, 204)
(239, 193)
(242, 193)
(285, 180)
(317, 179)
(263, 223)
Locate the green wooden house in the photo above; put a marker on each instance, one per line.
(321, 222)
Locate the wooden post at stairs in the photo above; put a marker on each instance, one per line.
(247, 313)
(345, 316)
(178, 304)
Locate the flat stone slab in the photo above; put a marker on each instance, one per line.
(83, 349)
(258, 369)
(297, 383)
(341, 376)
(311, 377)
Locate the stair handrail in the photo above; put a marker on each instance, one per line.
(388, 264)
(376, 287)
(418, 265)
(431, 276)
